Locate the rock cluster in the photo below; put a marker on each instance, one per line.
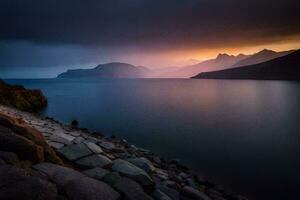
(96, 168)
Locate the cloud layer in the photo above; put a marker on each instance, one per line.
(149, 23)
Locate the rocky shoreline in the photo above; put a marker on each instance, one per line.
(56, 161)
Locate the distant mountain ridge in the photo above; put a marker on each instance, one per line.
(221, 61)
(224, 61)
(109, 70)
(260, 57)
(281, 68)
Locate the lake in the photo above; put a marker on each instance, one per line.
(242, 134)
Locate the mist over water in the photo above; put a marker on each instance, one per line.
(244, 135)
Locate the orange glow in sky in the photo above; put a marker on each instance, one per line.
(175, 57)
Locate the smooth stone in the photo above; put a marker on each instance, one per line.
(25, 149)
(94, 147)
(16, 184)
(78, 140)
(112, 178)
(130, 170)
(123, 156)
(142, 163)
(75, 134)
(92, 139)
(159, 195)
(74, 152)
(90, 189)
(56, 145)
(162, 174)
(194, 194)
(97, 173)
(45, 130)
(107, 145)
(131, 190)
(173, 194)
(58, 174)
(62, 138)
(93, 161)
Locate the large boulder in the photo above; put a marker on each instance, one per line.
(96, 173)
(16, 184)
(24, 148)
(142, 163)
(170, 192)
(194, 194)
(94, 147)
(21, 128)
(111, 178)
(131, 189)
(130, 170)
(75, 151)
(58, 174)
(90, 189)
(92, 161)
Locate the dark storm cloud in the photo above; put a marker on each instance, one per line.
(148, 23)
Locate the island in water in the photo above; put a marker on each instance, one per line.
(109, 70)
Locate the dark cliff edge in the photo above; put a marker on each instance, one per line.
(283, 68)
(21, 98)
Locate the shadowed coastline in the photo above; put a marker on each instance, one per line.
(282, 68)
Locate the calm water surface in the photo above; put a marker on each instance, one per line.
(244, 135)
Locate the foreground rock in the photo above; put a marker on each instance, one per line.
(131, 190)
(16, 184)
(28, 143)
(132, 171)
(90, 189)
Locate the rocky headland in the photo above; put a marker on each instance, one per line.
(42, 159)
(19, 97)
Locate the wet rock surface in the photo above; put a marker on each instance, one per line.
(81, 165)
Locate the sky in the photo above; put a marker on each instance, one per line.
(44, 38)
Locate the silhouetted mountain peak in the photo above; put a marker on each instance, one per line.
(266, 51)
(241, 55)
(223, 56)
(285, 67)
(114, 64)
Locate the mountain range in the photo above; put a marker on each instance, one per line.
(221, 62)
(286, 67)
